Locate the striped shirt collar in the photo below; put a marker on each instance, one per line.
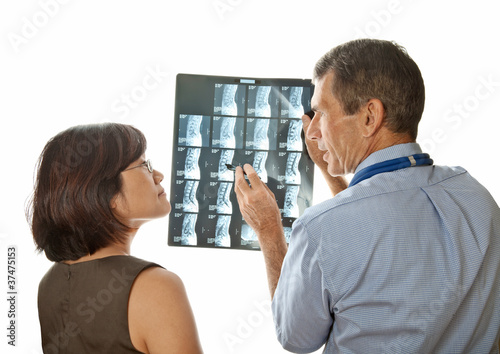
(392, 152)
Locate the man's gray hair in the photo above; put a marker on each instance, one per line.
(369, 68)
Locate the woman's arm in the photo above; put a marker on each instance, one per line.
(160, 316)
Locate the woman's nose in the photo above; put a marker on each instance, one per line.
(157, 176)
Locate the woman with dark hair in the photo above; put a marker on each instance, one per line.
(94, 189)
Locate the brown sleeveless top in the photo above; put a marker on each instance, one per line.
(83, 307)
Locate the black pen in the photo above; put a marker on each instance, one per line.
(232, 168)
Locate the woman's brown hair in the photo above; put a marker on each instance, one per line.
(78, 174)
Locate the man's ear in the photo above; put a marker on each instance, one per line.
(372, 118)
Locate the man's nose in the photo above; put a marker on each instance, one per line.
(313, 131)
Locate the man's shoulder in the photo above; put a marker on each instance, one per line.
(369, 195)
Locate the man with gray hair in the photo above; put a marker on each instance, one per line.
(406, 259)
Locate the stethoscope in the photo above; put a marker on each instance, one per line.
(391, 165)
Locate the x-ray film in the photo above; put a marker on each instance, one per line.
(222, 120)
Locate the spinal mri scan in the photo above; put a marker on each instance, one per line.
(223, 122)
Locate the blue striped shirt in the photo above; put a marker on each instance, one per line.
(403, 262)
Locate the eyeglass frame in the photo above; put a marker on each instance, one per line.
(146, 163)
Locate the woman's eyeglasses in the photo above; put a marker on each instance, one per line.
(146, 163)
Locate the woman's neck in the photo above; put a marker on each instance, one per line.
(111, 250)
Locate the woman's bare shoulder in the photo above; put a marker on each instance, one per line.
(154, 280)
(160, 316)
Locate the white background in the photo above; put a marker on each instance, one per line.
(73, 62)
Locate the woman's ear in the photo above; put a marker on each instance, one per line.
(113, 204)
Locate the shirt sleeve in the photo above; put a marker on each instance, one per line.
(301, 303)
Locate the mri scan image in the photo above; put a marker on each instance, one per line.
(223, 122)
(229, 99)
(248, 235)
(189, 201)
(191, 167)
(296, 109)
(294, 141)
(295, 101)
(188, 230)
(193, 130)
(229, 106)
(292, 174)
(226, 158)
(262, 106)
(227, 132)
(222, 237)
(260, 139)
(226, 137)
(224, 204)
(259, 164)
(290, 207)
(263, 101)
(261, 134)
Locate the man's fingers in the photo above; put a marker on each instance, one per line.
(306, 120)
(252, 175)
(240, 184)
(238, 196)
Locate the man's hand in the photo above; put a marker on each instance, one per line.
(312, 146)
(336, 184)
(257, 203)
(259, 209)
